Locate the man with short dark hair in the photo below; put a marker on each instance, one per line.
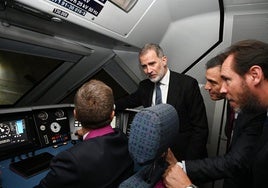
(213, 86)
(244, 74)
(102, 159)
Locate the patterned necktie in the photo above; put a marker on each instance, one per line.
(158, 96)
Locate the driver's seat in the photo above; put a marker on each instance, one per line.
(152, 132)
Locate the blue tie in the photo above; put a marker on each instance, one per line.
(158, 96)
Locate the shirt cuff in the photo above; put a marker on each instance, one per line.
(182, 165)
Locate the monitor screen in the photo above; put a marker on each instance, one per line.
(17, 136)
(13, 132)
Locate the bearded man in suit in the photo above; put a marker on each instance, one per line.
(179, 90)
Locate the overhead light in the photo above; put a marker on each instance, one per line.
(56, 19)
(125, 5)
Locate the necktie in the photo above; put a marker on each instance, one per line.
(158, 96)
(229, 126)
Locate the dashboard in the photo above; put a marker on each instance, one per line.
(31, 136)
(24, 130)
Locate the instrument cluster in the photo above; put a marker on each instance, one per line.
(53, 125)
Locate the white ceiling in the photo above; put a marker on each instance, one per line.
(249, 17)
(241, 2)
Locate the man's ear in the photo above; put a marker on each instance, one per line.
(164, 60)
(256, 74)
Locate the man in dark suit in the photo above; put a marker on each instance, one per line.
(182, 92)
(102, 159)
(213, 86)
(245, 131)
(234, 166)
(245, 74)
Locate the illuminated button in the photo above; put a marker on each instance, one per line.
(42, 127)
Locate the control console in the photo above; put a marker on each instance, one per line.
(52, 126)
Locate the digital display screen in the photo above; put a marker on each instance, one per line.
(17, 135)
(13, 132)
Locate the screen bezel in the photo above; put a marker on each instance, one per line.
(15, 149)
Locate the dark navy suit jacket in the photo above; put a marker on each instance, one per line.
(98, 162)
(183, 94)
(235, 166)
(260, 163)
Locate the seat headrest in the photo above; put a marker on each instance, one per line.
(152, 131)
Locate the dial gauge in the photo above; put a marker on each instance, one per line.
(4, 129)
(42, 115)
(59, 113)
(55, 127)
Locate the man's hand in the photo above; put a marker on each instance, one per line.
(175, 177)
(170, 158)
(79, 133)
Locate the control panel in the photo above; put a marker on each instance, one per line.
(25, 130)
(52, 126)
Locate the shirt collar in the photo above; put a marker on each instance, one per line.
(165, 79)
(98, 132)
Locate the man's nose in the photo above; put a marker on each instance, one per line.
(207, 86)
(149, 70)
(223, 88)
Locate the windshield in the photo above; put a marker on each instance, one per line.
(20, 72)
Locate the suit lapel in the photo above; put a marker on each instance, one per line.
(171, 98)
(149, 89)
